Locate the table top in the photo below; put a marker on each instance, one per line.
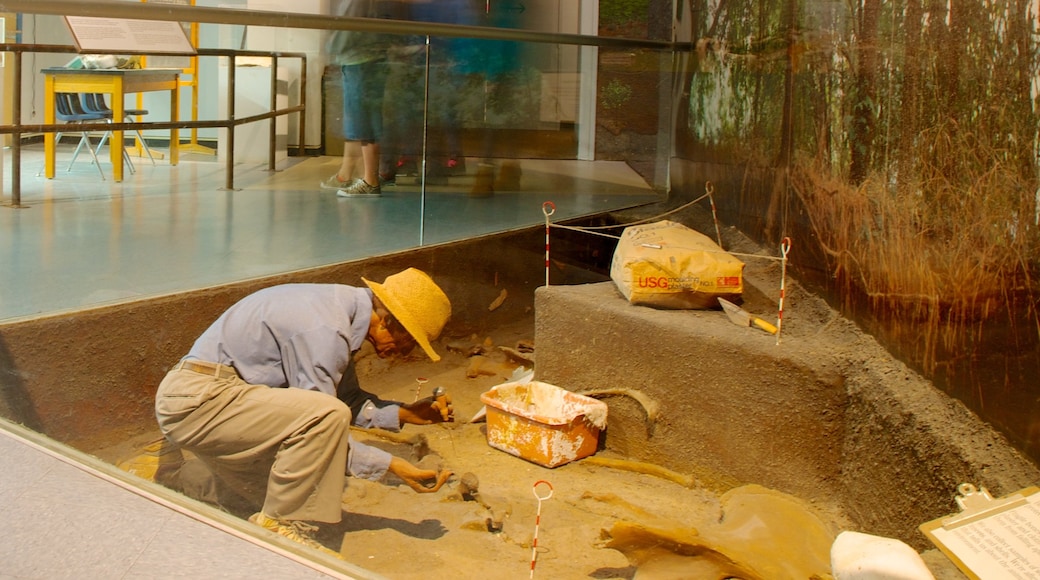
(113, 71)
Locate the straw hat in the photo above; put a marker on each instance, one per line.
(417, 303)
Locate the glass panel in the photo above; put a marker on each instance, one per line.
(503, 125)
(479, 134)
(896, 144)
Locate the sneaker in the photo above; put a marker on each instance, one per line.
(296, 531)
(387, 179)
(456, 165)
(360, 188)
(333, 182)
(407, 166)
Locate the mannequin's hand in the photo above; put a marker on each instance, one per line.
(421, 480)
(426, 411)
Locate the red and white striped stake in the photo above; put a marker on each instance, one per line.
(785, 246)
(538, 520)
(548, 208)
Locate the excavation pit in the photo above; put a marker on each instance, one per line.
(824, 413)
(703, 407)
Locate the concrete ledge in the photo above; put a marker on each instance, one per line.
(827, 414)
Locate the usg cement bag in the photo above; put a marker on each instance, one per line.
(668, 265)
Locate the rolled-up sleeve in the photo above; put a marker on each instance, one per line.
(366, 462)
(386, 417)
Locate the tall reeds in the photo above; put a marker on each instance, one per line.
(935, 256)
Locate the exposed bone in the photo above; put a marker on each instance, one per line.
(650, 406)
(478, 366)
(612, 499)
(499, 300)
(641, 467)
(517, 355)
(419, 443)
(468, 347)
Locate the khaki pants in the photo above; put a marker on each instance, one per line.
(288, 446)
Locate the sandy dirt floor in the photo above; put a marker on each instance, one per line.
(391, 530)
(664, 525)
(678, 527)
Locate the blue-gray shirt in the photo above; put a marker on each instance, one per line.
(300, 336)
(293, 335)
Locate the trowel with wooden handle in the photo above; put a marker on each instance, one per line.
(742, 317)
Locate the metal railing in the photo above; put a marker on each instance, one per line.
(17, 128)
(227, 16)
(205, 15)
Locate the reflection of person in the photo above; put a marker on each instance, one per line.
(403, 110)
(492, 69)
(362, 57)
(266, 395)
(424, 88)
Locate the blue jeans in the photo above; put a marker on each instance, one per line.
(363, 88)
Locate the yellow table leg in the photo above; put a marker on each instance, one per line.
(116, 142)
(48, 119)
(175, 103)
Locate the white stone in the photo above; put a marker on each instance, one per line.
(858, 556)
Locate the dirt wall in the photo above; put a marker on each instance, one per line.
(730, 401)
(826, 415)
(87, 378)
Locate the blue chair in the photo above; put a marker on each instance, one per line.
(95, 103)
(79, 103)
(67, 110)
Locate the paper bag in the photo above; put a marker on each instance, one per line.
(668, 265)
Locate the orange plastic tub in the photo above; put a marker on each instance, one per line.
(543, 423)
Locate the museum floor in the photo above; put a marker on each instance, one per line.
(78, 241)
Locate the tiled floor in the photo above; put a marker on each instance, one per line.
(77, 242)
(70, 516)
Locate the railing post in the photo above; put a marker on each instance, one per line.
(16, 137)
(303, 103)
(229, 162)
(272, 123)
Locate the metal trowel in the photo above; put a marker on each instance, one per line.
(742, 317)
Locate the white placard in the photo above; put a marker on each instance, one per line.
(1002, 546)
(119, 36)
